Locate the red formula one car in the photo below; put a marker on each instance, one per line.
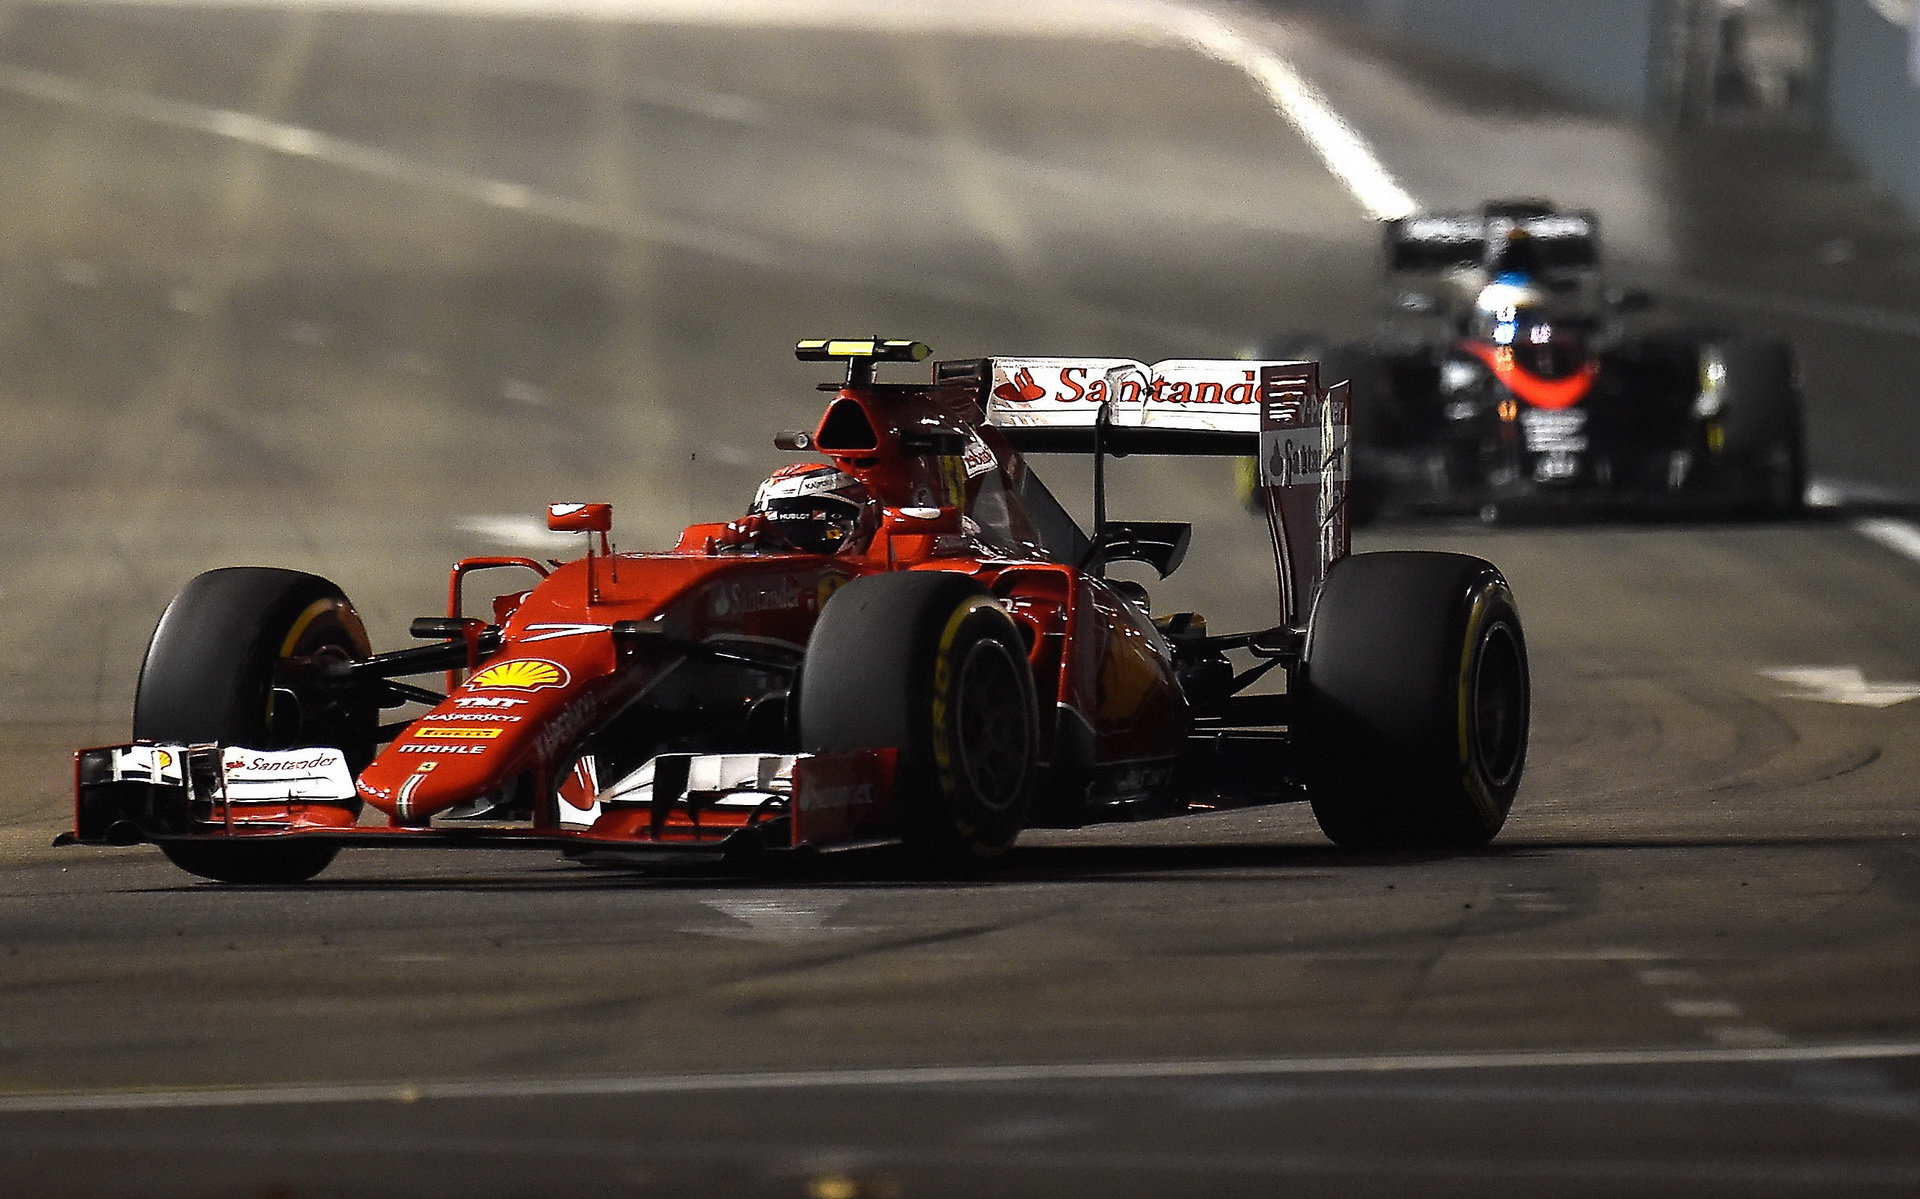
(911, 642)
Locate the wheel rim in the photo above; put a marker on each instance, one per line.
(299, 712)
(1499, 705)
(993, 737)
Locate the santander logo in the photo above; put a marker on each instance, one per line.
(1198, 384)
(1021, 390)
(278, 765)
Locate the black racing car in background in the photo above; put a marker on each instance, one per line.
(1506, 379)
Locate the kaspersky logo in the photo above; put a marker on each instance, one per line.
(521, 674)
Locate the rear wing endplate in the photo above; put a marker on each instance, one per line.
(1303, 480)
(1273, 411)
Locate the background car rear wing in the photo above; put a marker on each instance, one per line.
(1560, 241)
(1275, 412)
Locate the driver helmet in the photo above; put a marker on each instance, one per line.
(813, 508)
(1517, 318)
(1545, 347)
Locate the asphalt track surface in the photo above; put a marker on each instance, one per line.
(359, 292)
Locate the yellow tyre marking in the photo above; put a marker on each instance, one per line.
(942, 678)
(349, 619)
(318, 608)
(1476, 786)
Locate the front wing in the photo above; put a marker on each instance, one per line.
(147, 792)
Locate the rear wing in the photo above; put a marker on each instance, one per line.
(1558, 241)
(1274, 412)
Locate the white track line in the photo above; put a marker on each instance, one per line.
(1341, 149)
(1902, 537)
(378, 163)
(940, 1076)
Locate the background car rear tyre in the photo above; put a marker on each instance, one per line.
(232, 661)
(927, 662)
(1764, 436)
(1414, 702)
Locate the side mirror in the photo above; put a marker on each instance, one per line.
(580, 518)
(1161, 544)
(922, 522)
(1629, 299)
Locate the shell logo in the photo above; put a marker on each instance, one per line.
(522, 674)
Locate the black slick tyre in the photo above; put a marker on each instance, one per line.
(235, 660)
(1762, 428)
(1414, 702)
(928, 663)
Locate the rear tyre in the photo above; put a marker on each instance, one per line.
(929, 664)
(1763, 436)
(1414, 700)
(235, 660)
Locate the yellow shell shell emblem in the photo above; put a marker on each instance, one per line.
(521, 674)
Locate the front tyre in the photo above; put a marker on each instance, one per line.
(1414, 702)
(238, 658)
(928, 663)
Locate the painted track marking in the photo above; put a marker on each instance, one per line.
(941, 1076)
(1845, 685)
(1902, 537)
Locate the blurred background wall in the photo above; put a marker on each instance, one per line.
(1844, 71)
(1599, 51)
(1874, 89)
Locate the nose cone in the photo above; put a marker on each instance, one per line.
(508, 718)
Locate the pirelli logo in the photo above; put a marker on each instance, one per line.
(457, 734)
